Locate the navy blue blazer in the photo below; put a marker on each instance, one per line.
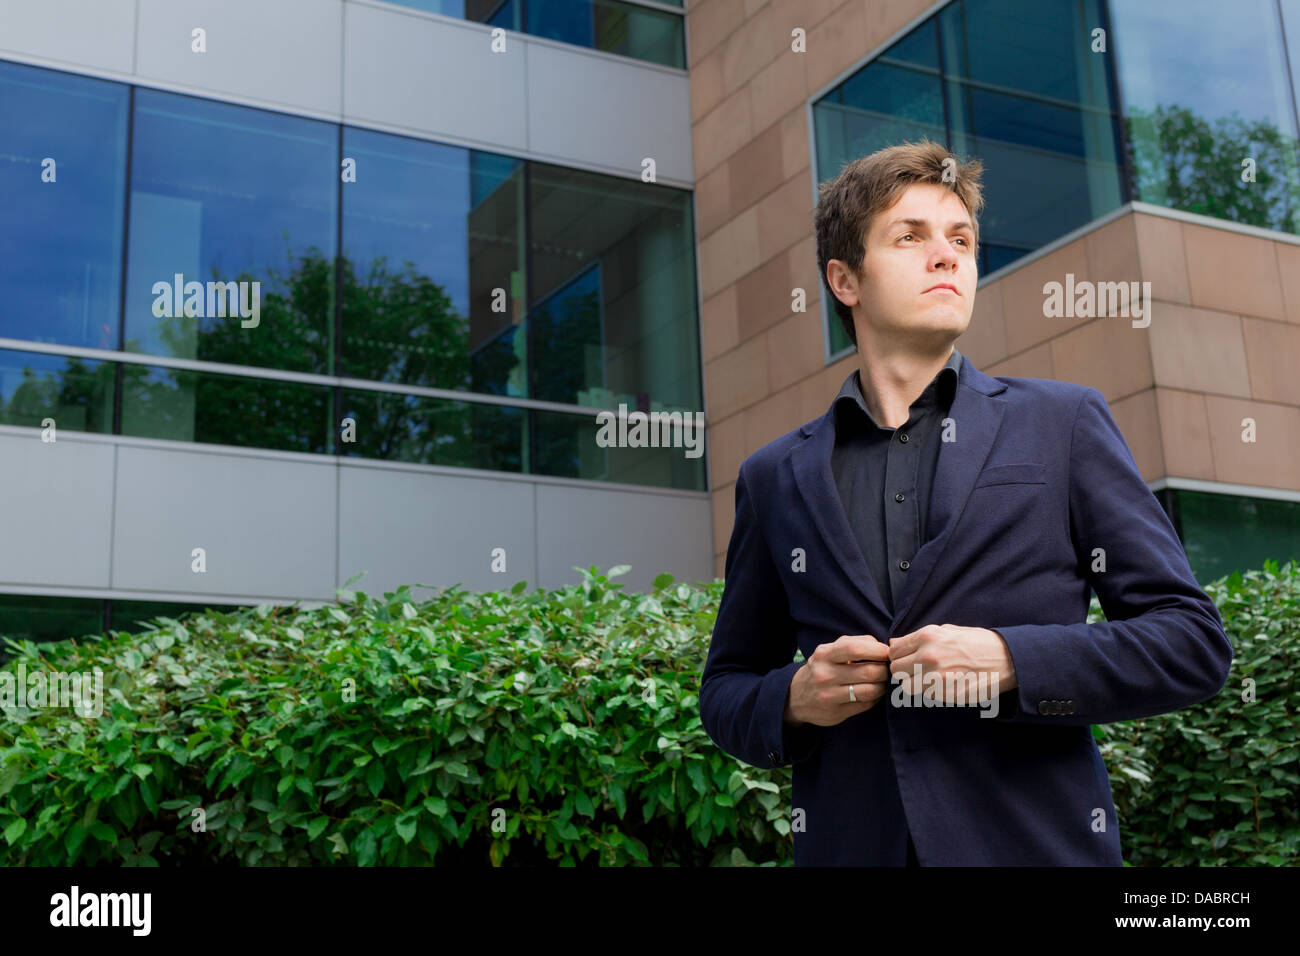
(1036, 478)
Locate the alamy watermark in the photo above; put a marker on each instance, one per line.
(946, 689)
(1085, 299)
(656, 429)
(215, 300)
(82, 693)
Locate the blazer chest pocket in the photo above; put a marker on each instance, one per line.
(1016, 473)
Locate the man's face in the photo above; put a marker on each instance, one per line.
(925, 240)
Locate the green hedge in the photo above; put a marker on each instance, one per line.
(548, 728)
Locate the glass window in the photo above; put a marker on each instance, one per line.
(232, 234)
(133, 615)
(433, 272)
(47, 619)
(62, 192)
(181, 405)
(568, 447)
(625, 28)
(640, 32)
(1205, 88)
(77, 393)
(612, 292)
(1226, 533)
(1010, 82)
(434, 431)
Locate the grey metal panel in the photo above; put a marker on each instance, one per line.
(411, 527)
(286, 52)
(55, 526)
(433, 76)
(265, 523)
(91, 33)
(595, 109)
(651, 532)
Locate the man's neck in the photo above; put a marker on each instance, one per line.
(892, 380)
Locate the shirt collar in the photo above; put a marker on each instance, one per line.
(942, 388)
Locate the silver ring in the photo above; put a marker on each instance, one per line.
(853, 698)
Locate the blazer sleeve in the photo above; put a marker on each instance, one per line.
(1163, 646)
(750, 663)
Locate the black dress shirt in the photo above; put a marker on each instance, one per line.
(884, 475)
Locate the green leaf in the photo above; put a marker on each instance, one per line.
(317, 827)
(374, 780)
(15, 829)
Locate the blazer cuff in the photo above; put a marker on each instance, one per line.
(786, 744)
(1032, 647)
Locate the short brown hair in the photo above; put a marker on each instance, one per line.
(868, 186)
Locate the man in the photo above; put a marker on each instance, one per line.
(928, 545)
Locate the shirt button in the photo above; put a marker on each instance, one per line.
(899, 496)
(904, 565)
(903, 438)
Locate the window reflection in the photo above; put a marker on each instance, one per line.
(223, 193)
(62, 172)
(1205, 91)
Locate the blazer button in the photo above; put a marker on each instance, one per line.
(773, 756)
(904, 565)
(1045, 707)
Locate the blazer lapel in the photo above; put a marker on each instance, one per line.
(977, 416)
(811, 461)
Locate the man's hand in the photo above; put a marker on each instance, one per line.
(950, 649)
(819, 690)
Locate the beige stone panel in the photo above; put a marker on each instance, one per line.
(1231, 272)
(1108, 354)
(835, 44)
(747, 50)
(729, 252)
(719, 564)
(756, 169)
(710, 23)
(1198, 350)
(795, 155)
(794, 350)
(718, 328)
(763, 297)
(778, 88)
(1185, 434)
(1138, 419)
(713, 201)
(985, 339)
(1031, 363)
(706, 86)
(1113, 252)
(1162, 259)
(788, 14)
(753, 6)
(771, 418)
(726, 449)
(803, 271)
(721, 132)
(737, 378)
(784, 217)
(817, 393)
(1272, 460)
(1288, 266)
(1273, 356)
(1023, 298)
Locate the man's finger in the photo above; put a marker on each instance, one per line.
(856, 647)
